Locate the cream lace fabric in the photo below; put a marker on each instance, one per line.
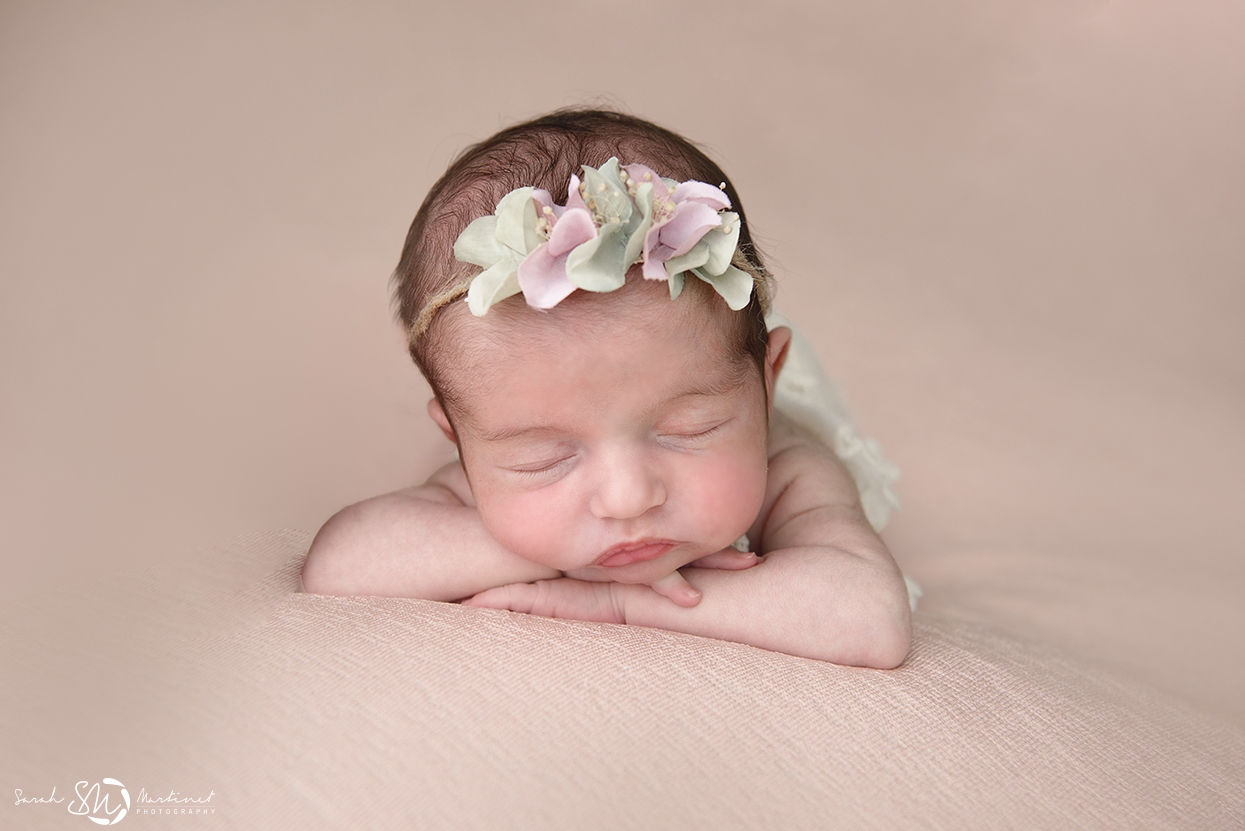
(811, 400)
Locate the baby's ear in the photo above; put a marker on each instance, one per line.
(775, 356)
(437, 412)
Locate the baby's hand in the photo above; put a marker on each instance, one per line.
(589, 594)
(562, 597)
(674, 585)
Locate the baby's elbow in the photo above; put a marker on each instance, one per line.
(891, 648)
(889, 631)
(325, 567)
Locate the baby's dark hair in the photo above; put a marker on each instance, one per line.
(543, 153)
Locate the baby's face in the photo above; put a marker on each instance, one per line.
(622, 438)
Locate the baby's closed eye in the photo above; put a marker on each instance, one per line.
(691, 434)
(536, 460)
(545, 466)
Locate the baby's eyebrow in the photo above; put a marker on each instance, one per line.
(713, 385)
(515, 432)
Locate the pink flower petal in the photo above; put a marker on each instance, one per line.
(654, 268)
(690, 222)
(544, 199)
(639, 171)
(574, 199)
(652, 239)
(707, 195)
(542, 277)
(574, 228)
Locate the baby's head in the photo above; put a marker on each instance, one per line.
(605, 419)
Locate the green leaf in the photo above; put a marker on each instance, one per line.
(721, 242)
(478, 244)
(695, 258)
(516, 221)
(606, 195)
(598, 264)
(492, 285)
(640, 223)
(734, 285)
(676, 285)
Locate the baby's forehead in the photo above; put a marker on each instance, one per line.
(584, 335)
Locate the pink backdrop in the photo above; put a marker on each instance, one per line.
(1014, 231)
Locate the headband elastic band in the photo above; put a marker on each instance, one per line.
(760, 282)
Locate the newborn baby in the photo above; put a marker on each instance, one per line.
(609, 384)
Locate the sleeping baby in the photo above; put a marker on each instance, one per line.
(584, 297)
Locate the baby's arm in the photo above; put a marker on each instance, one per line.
(826, 589)
(425, 542)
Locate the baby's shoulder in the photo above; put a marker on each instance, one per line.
(799, 459)
(788, 437)
(448, 484)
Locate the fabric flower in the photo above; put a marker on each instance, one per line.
(680, 218)
(601, 264)
(543, 274)
(498, 244)
(691, 230)
(616, 217)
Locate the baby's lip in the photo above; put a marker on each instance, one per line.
(634, 552)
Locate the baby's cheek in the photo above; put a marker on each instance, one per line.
(727, 495)
(528, 526)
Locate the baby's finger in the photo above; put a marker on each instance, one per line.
(675, 587)
(590, 574)
(517, 597)
(727, 558)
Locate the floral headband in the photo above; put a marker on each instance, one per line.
(617, 217)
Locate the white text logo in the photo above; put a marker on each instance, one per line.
(93, 802)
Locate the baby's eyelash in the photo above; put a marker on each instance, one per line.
(700, 434)
(533, 472)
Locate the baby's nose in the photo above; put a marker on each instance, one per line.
(629, 487)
